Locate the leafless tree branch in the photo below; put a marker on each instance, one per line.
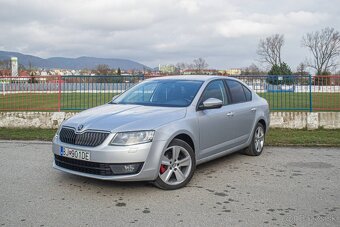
(200, 64)
(269, 49)
(325, 48)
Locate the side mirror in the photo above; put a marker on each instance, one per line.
(211, 103)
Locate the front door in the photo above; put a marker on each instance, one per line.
(214, 123)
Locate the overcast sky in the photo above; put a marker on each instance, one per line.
(224, 32)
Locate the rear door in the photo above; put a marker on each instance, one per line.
(243, 110)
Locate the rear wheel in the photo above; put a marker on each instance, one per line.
(177, 166)
(256, 146)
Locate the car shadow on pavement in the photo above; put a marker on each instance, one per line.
(214, 164)
(103, 184)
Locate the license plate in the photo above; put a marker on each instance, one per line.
(76, 154)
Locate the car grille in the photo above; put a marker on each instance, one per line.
(96, 168)
(89, 139)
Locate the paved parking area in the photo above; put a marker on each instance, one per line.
(282, 187)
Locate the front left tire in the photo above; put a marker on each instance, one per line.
(177, 166)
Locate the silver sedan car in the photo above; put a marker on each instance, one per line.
(161, 129)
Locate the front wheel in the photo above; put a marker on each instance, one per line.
(256, 146)
(177, 166)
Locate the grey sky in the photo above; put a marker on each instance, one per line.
(225, 33)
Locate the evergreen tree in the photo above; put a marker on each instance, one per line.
(280, 74)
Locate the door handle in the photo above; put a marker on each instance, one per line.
(230, 114)
(253, 109)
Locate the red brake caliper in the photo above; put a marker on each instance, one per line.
(162, 169)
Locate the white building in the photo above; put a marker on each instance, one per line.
(14, 66)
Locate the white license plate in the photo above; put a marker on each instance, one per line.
(76, 154)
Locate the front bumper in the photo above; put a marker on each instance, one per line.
(149, 154)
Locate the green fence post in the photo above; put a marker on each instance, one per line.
(310, 94)
(59, 92)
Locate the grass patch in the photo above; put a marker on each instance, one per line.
(301, 100)
(27, 134)
(83, 100)
(303, 137)
(275, 137)
(49, 101)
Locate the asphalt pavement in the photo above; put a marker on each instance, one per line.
(284, 186)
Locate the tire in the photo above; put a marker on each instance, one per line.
(177, 166)
(257, 143)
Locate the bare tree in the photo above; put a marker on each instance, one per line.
(5, 64)
(325, 48)
(190, 66)
(200, 64)
(269, 49)
(180, 66)
(102, 69)
(301, 69)
(252, 70)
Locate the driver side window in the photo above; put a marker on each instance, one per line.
(215, 89)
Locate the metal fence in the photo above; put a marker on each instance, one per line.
(75, 93)
(297, 92)
(61, 93)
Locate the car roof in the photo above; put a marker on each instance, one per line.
(190, 77)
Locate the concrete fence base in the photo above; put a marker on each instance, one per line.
(33, 119)
(300, 120)
(293, 120)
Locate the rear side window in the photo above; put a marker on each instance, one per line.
(237, 92)
(247, 92)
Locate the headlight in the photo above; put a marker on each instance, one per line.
(56, 135)
(132, 138)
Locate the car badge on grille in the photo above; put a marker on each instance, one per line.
(80, 127)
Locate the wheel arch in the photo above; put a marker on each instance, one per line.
(186, 138)
(263, 122)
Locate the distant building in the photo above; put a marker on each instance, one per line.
(14, 66)
(167, 69)
(221, 72)
(43, 73)
(5, 72)
(233, 72)
(199, 72)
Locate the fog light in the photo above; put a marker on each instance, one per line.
(129, 168)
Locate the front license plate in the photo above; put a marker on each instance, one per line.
(76, 154)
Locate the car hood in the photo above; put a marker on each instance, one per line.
(117, 118)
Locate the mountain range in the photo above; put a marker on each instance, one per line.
(71, 63)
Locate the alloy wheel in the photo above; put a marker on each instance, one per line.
(175, 166)
(259, 139)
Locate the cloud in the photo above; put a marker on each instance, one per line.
(265, 24)
(239, 28)
(225, 32)
(191, 6)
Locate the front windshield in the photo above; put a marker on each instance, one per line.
(172, 93)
